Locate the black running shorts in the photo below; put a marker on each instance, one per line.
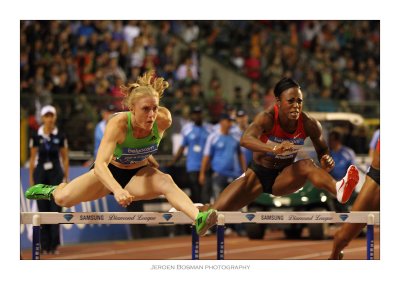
(375, 175)
(123, 176)
(266, 176)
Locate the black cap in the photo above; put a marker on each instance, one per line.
(226, 116)
(196, 109)
(241, 113)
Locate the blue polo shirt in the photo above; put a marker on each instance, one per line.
(223, 152)
(194, 138)
(343, 158)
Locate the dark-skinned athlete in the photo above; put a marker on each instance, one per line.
(275, 136)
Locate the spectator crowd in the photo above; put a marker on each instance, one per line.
(83, 63)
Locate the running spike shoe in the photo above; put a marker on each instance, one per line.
(346, 186)
(40, 191)
(205, 220)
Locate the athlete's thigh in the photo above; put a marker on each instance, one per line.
(86, 187)
(289, 180)
(368, 197)
(239, 193)
(367, 200)
(146, 184)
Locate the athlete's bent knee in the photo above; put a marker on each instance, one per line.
(165, 181)
(307, 163)
(62, 198)
(304, 166)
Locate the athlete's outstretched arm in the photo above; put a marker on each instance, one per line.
(153, 162)
(104, 157)
(313, 129)
(250, 139)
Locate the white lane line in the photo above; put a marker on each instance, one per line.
(328, 252)
(258, 248)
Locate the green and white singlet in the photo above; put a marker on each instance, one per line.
(135, 150)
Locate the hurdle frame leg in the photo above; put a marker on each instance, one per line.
(195, 244)
(36, 237)
(220, 237)
(370, 237)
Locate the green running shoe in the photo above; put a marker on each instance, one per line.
(205, 220)
(40, 191)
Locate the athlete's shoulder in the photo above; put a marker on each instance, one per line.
(118, 116)
(311, 125)
(119, 119)
(116, 126)
(164, 118)
(266, 115)
(269, 112)
(306, 116)
(265, 120)
(309, 120)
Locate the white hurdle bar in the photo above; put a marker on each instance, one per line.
(179, 218)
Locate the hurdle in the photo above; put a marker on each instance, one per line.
(179, 218)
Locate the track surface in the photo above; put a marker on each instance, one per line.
(274, 246)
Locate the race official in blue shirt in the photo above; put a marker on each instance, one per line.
(242, 120)
(221, 151)
(194, 136)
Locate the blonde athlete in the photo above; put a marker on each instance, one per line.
(124, 164)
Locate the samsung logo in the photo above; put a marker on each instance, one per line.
(91, 217)
(272, 217)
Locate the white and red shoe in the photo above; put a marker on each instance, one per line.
(345, 187)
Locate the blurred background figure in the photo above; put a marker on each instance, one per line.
(344, 157)
(106, 112)
(194, 139)
(242, 120)
(221, 151)
(225, 157)
(47, 146)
